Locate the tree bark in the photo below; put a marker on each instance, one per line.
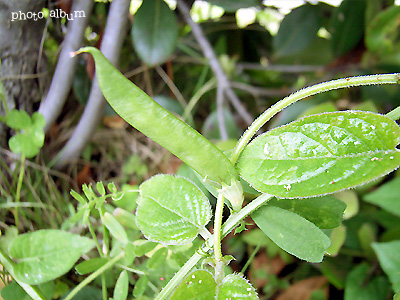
(20, 40)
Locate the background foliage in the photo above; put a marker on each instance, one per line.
(265, 52)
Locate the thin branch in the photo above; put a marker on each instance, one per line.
(111, 45)
(65, 70)
(171, 86)
(208, 52)
(220, 113)
(280, 68)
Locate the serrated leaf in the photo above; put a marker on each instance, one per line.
(114, 227)
(297, 30)
(325, 212)
(18, 119)
(389, 259)
(198, 285)
(236, 287)
(154, 32)
(121, 287)
(171, 210)
(45, 255)
(387, 197)
(347, 26)
(292, 233)
(321, 154)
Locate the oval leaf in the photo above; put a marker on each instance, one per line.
(236, 287)
(18, 119)
(297, 30)
(121, 287)
(45, 255)
(292, 233)
(199, 285)
(321, 154)
(325, 212)
(147, 116)
(171, 210)
(389, 259)
(114, 227)
(154, 32)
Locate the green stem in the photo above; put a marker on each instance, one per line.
(104, 286)
(93, 276)
(307, 92)
(19, 186)
(219, 264)
(32, 291)
(228, 226)
(212, 83)
(93, 233)
(248, 262)
(394, 114)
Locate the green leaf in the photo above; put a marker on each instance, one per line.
(13, 291)
(158, 258)
(154, 32)
(91, 265)
(140, 286)
(389, 259)
(387, 197)
(100, 188)
(357, 287)
(232, 6)
(198, 285)
(383, 31)
(235, 286)
(347, 26)
(337, 237)
(171, 210)
(23, 143)
(121, 287)
(325, 212)
(292, 233)
(143, 246)
(321, 154)
(45, 255)
(114, 227)
(18, 119)
(147, 116)
(297, 30)
(350, 198)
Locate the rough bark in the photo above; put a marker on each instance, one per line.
(20, 73)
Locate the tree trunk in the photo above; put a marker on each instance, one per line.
(22, 64)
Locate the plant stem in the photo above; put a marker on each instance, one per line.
(394, 114)
(93, 233)
(219, 264)
(248, 262)
(104, 286)
(92, 276)
(307, 92)
(19, 186)
(228, 226)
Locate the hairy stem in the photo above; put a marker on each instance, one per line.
(219, 264)
(19, 186)
(307, 92)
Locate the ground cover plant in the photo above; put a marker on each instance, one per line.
(273, 212)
